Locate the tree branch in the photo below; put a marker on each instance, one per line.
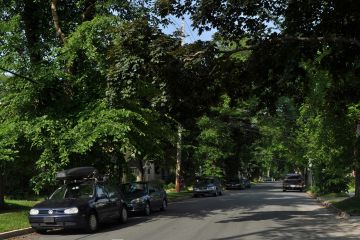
(352, 41)
(89, 12)
(56, 21)
(18, 75)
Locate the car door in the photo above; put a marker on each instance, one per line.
(155, 196)
(114, 200)
(102, 202)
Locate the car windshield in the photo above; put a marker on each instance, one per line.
(293, 177)
(134, 188)
(83, 191)
(204, 181)
(233, 180)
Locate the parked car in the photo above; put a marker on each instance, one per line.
(293, 182)
(238, 183)
(246, 182)
(144, 197)
(207, 186)
(268, 179)
(82, 202)
(235, 183)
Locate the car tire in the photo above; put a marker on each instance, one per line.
(164, 205)
(220, 193)
(284, 190)
(123, 215)
(216, 193)
(147, 210)
(195, 195)
(92, 223)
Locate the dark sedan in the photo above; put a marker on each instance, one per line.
(79, 204)
(293, 182)
(238, 183)
(235, 184)
(144, 197)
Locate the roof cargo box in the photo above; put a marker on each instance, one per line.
(77, 173)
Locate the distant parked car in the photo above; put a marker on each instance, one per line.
(207, 186)
(293, 182)
(268, 179)
(144, 197)
(246, 182)
(235, 183)
(82, 202)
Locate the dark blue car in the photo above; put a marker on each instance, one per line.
(82, 202)
(144, 197)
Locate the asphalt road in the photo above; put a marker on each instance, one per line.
(263, 212)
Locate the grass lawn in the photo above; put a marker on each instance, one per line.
(349, 205)
(174, 195)
(14, 216)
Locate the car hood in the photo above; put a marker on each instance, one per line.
(233, 182)
(130, 197)
(204, 185)
(64, 203)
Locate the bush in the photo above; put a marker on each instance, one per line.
(169, 186)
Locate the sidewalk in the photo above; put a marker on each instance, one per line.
(328, 202)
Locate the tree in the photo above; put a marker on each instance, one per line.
(282, 35)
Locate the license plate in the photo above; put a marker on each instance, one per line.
(49, 219)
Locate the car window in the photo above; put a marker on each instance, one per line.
(152, 188)
(294, 177)
(100, 192)
(112, 191)
(83, 190)
(133, 188)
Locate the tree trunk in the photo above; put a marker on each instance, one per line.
(178, 159)
(357, 160)
(31, 22)
(2, 191)
(56, 21)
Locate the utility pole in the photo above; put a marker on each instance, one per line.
(180, 130)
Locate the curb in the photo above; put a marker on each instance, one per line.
(340, 213)
(16, 233)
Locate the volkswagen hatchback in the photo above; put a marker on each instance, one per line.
(79, 203)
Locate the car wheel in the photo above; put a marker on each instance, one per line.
(92, 223)
(164, 205)
(147, 209)
(123, 215)
(216, 193)
(220, 193)
(284, 190)
(195, 195)
(301, 189)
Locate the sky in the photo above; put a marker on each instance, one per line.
(190, 34)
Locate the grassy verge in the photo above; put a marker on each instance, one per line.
(173, 196)
(349, 205)
(14, 216)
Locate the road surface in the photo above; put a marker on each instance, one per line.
(263, 212)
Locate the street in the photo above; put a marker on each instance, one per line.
(262, 212)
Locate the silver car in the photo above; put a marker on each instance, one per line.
(207, 186)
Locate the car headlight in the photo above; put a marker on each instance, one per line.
(34, 211)
(73, 210)
(212, 188)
